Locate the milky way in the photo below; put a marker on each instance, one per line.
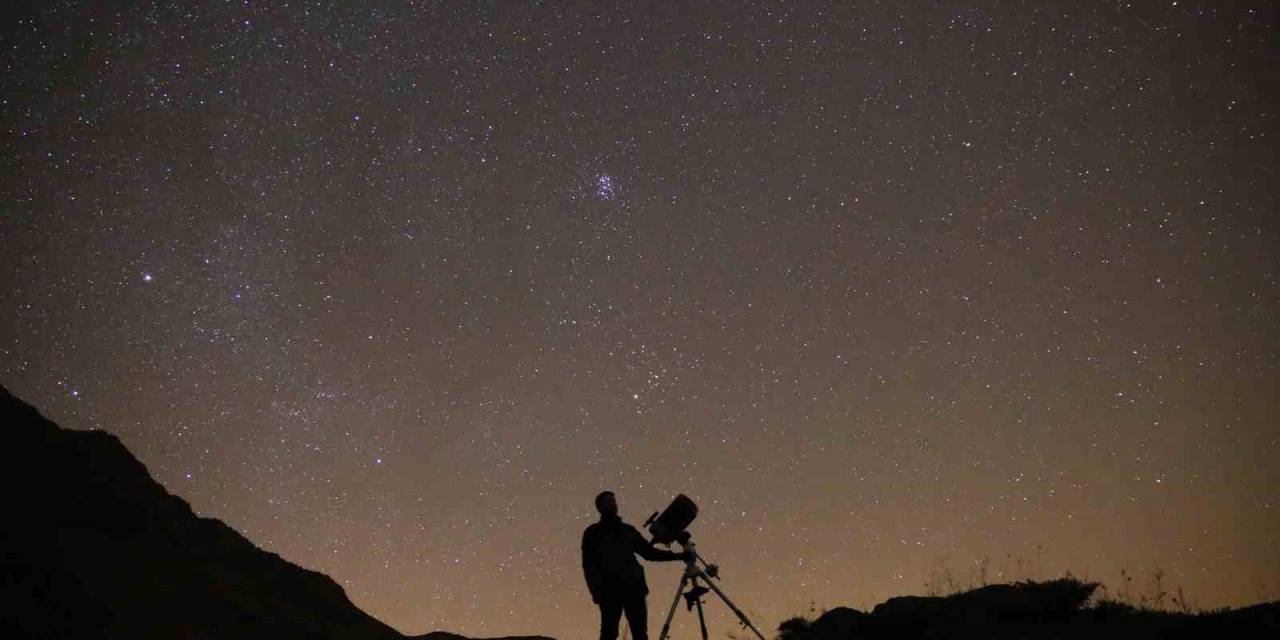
(896, 292)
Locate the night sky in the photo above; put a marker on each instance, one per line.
(888, 288)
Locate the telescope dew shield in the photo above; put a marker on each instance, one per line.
(674, 520)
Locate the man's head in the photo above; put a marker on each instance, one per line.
(607, 504)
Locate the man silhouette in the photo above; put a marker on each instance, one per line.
(614, 577)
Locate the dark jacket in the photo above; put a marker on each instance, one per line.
(609, 549)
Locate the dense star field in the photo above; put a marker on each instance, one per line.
(886, 287)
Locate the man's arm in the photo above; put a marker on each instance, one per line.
(590, 566)
(646, 550)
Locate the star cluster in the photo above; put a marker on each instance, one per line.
(892, 290)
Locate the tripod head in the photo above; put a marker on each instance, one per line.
(693, 558)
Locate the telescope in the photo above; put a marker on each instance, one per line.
(672, 525)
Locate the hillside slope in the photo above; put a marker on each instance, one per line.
(92, 546)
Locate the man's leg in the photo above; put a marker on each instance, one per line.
(637, 616)
(610, 613)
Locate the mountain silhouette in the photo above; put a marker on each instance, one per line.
(93, 547)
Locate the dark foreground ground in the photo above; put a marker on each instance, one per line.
(1054, 609)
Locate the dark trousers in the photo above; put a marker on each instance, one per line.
(611, 611)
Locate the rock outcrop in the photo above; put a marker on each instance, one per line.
(1053, 609)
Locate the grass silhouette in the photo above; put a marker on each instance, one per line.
(1065, 607)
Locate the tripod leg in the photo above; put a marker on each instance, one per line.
(666, 626)
(741, 616)
(702, 622)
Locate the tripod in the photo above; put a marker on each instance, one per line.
(693, 598)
